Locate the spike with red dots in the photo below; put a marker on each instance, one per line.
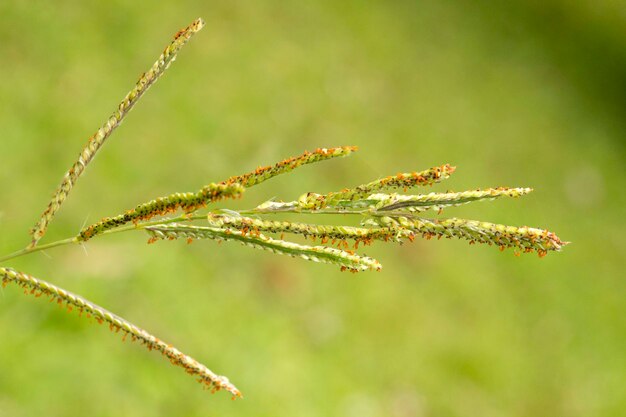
(99, 138)
(38, 287)
(525, 239)
(322, 254)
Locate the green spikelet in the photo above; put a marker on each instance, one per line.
(262, 174)
(99, 138)
(188, 202)
(438, 201)
(343, 258)
(323, 232)
(70, 300)
(524, 238)
(312, 201)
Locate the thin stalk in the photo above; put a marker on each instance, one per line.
(75, 239)
(29, 249)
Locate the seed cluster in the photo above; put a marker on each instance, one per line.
(98, 139)
(347, 260)
(37, 287)
(188, 202)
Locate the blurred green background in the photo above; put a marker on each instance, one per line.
(518, 93)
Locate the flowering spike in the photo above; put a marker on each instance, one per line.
(39, 287)
(265, 173)
(402, 181)
(346, 260)
(312, 202)
(189, 202)
(324, 232)
(437, 201)
(527, 239)
(98, 139)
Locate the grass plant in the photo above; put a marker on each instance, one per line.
(383, 208)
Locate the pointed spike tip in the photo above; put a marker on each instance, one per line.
(198, 24)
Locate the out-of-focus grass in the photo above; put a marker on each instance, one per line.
(527, 94)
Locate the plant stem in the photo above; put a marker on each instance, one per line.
(74, 239)
(28, 250)
(183, 217)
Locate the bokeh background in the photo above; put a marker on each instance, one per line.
(518, 93)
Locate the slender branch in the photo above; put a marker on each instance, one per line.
(437, 201)
(30, 249)
(99, 138)
(39, 287)
(347, 260)
(325, 233)
(189, 202)
(404, 181)
(262, 174)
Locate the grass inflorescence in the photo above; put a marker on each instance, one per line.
(402, 181)
(98, 139)
(326, 233)
(188, 202)
(345, 259)
(71, 301)
(383, 210)
(262, 174)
